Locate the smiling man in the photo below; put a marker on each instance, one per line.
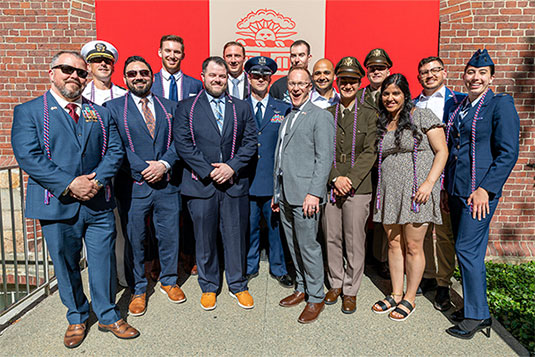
(324, 94)
(302, 163)
(234, 55)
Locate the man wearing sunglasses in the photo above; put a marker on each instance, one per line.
(101, 57)
(378, 64)
(437, 97)
(71, 149)
(269, 113)
(148, 182)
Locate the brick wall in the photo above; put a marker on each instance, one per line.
(32, 31)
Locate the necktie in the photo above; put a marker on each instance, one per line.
(172, 89)
(235, 88)
(346, 112)
(218, 113)
(258, 114)
(72, 112)
(149, 117)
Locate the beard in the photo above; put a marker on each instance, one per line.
(68, 93)
(140, 92)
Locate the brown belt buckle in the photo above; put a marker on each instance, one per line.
(343, 157)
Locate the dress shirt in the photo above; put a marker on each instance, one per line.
(166, 81)
(293, 117)
(102, 95)
(435, 102)
(241, 84)
(322, 102)
(63, 103)
(264, 104)
(213, 106)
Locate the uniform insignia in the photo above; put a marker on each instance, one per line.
(277, 118)
(376, 53)
(348, 61)
(100, 47)
(89, 114)
(53, 108)
(262, 61)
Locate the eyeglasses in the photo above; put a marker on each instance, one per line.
(260, 76)
(301, 85)
(66, 69)
(379, 68)
(133, 73)
(108, 61)
(433, 71)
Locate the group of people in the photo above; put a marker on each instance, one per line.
(231, 155)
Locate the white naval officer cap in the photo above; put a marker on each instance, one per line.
(99, 48)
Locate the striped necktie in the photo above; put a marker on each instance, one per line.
(149, 117)
(218, 113)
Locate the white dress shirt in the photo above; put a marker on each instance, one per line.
(100, 96)
(322, 102)
(166, 76)
(63, 103)
(435, 102)
(241, 84)
(263, 107)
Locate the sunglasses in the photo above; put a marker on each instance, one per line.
(100, 60)
(133, 73)
(372, 69)
(66, 69)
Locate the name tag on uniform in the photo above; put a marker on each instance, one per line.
(277, 118)
(89, 114)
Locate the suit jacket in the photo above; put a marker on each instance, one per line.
(306, 156)
(452, 99)
(497, 136)
(279, 90)
(261, 167)
(365, 156)
(129, 180)
(369, 103)
(211, 146)
(75, 149)
(190, 86)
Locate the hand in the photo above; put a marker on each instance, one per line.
(83, 187)
(444, 206)
(274, 206)
(423, 193)
(479, 199)
(343, 184)
(311, 205)
(222, 172)
(336, 192)
(154, 172)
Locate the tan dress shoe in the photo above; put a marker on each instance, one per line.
(293, 300)
(75, 334)
(138, 304)
(332, 296)
(121, 329)
(349, 304)
(311, 312)
(174, 293)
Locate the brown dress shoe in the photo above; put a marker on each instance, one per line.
(293, 300)
(174, 293)
(332, 296)
(138, 304)
(121, 329)
(75, 334)
(349, 304)
(311, 312)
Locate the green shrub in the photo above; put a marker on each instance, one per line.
(511, 297)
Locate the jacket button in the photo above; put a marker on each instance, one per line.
(458, 147)
(259, 133)
(455, 157)
(259, 144)
(458, 135)
(259, 156)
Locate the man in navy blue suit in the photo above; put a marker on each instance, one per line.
(439, 98)
(171, 82)
(269, 113)
(215, 135)
(70, 148)
(483, 133)
(148, 182)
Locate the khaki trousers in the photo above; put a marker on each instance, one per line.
(442, 268)
(344, 224)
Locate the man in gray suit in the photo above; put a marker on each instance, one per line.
(303, 159)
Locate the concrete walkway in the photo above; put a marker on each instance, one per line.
(267, 330)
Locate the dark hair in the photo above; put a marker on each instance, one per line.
(301, 42)
(491, 69)
(404, 121)
(136, 59)
(301, 68)
(215, 59)
(174, 38)
(233, 43)
(430, 59)
(55, 58)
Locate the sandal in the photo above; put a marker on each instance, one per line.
(402, 312)
(384, 308)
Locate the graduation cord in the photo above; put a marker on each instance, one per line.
(93, 91)
(234, 131)
(46, 140)
(353, 142)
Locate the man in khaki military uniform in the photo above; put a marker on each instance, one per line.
(350, 184)
(378, 65)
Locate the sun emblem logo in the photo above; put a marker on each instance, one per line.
(266, 28)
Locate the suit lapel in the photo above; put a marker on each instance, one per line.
(268, 114)
(208, 113)
(159, 117)
(135, 117)
(297, 121)
(467, 120)
(86, 123)
(185, 86)
(228, 121)
(58, 115)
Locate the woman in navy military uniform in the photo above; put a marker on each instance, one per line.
(482, 134)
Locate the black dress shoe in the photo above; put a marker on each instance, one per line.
(285, 280)
(459, 332)
(458, 315)
(442, 299)
(251, 276)
(428, 284)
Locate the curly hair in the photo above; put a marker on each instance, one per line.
(404, 121)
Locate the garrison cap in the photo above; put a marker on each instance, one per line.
(480, 58)
(260, 65)
(378, 56)
(98, 48)
(349, 66)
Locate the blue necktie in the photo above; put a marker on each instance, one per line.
(235, 88)
(258, 113)
(218, 113)
(172, 89)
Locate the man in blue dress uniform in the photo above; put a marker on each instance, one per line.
(70, 148)
(269, 113)
(483, 142)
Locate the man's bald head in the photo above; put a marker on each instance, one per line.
(323, 75)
